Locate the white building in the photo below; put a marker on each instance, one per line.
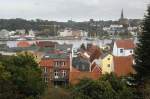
(32, 33)
(73, 33)
(4, 33)
(114, 28)
(65, 32)
(123, 47)
(21, 31)
(12, 33)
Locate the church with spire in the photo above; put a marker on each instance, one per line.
(123, 21)
(122, 15)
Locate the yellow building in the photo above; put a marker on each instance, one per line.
(107, 64)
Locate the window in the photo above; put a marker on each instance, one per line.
(45, 70)
(108, 58)
(63, 63)
(56, 74)
(131, 52)
(64, 73)
(56, 64)
(121, 50)
(108, 65)
(45, 79)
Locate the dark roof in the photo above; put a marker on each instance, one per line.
(81, 64)
(63, 46)
(20, 49)
(46, 49)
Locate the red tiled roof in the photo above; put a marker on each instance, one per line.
(126, 44)
(46, 63)
(23, 44)
(123, 65)
(75, 75)
(95, 68)
(46, 44)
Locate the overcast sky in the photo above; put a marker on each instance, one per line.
(78, 10)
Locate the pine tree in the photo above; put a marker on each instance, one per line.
(142, 52)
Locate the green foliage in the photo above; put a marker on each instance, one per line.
(142, 52)
(4, 75)
(56, 93)
(107, 87)
(24, 74)
(142, 58)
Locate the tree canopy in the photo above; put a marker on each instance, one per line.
(142, 58)
(107, 87)
(22, 76)
(142, 52)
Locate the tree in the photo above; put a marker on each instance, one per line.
(5, 89)
(142, 52)
(107, 87)
(142, 58)
(25, 76)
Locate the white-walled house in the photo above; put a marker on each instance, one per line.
(4, 33)
(65, 32)
(68, 32)
(123, 47)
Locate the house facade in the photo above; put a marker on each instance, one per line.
(123, 48)
(107, 64)
(55, 68)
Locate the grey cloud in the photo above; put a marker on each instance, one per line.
(76, 9)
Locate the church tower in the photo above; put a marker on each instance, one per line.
(122, 15)
(123, 21)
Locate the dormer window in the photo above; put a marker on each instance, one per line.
(121, 50)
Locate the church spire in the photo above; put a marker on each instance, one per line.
(122, 15)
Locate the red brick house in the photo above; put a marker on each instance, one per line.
(56, 68)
